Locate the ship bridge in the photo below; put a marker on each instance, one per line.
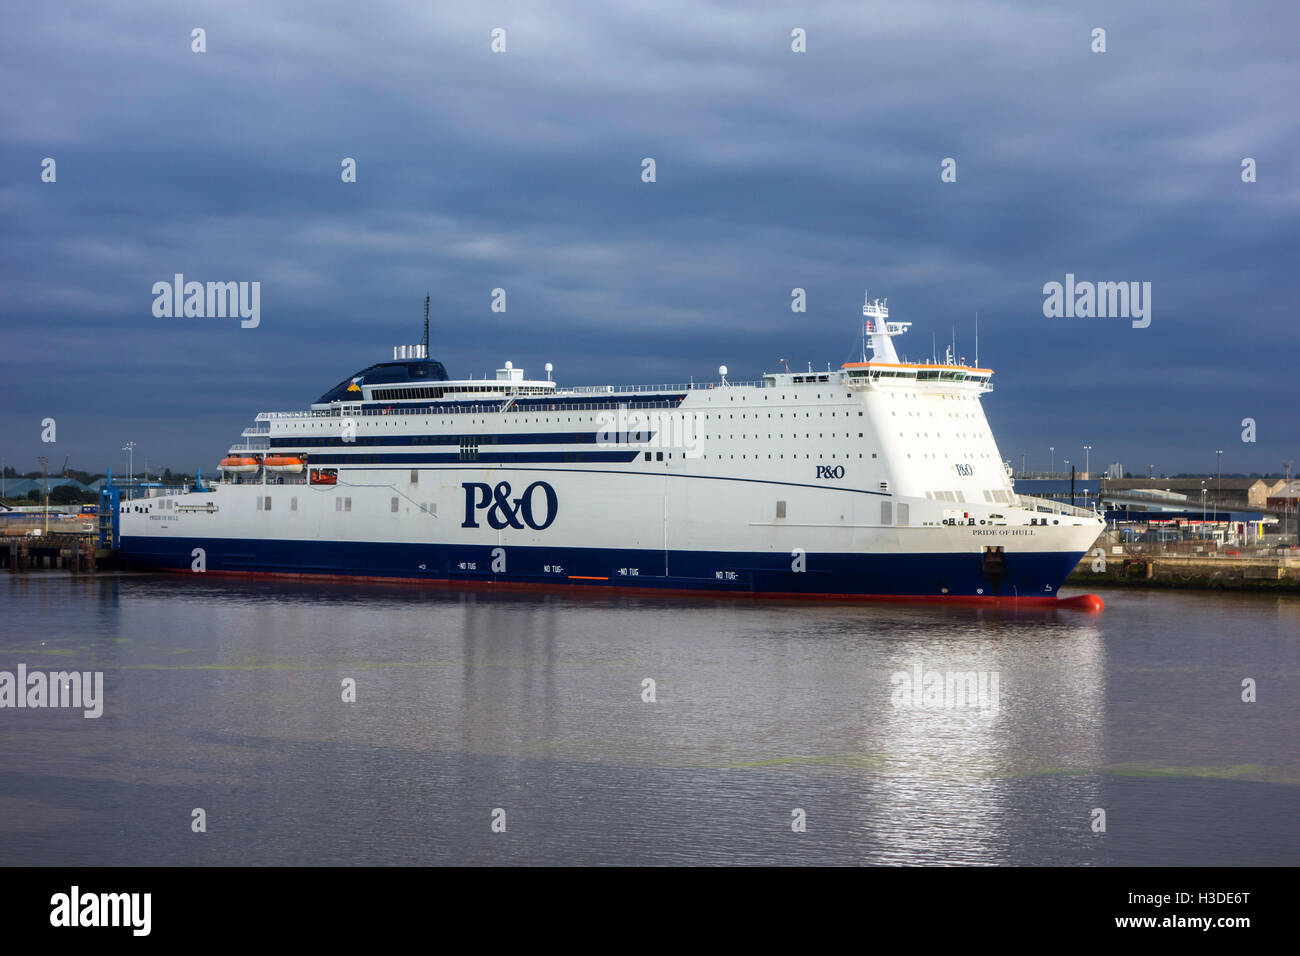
(885, 367)
(869, 374)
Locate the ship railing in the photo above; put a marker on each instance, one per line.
(251, 446)
(476, 409)
(562, 406)
(681, 387)
(619, 389)
(1046, 505)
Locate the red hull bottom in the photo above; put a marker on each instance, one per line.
(1078, 602)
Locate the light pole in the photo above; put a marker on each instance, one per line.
(45, 484)
(1022, 464)
(1051, 468)
(1087, 469)
(129, 448)
(1151, 471)
(1218, 495)
(1202, 502)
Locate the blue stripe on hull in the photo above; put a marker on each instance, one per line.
(454, 439)
(1025, 574)
(485, 457)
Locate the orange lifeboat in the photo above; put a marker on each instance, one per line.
(324, 476)
(290, 464)
(239, 464)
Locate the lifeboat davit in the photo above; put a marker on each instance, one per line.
(284, 463)
(239, 464)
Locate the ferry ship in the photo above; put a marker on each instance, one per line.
(877, 480)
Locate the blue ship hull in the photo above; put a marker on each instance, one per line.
(848, 575)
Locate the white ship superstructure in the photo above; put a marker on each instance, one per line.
(879, 478)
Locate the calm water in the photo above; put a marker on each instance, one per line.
(227, 696)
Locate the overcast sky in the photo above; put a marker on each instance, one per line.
(522, 170)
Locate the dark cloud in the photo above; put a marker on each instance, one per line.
(775, 170)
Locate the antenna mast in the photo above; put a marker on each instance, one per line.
(426, 325)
